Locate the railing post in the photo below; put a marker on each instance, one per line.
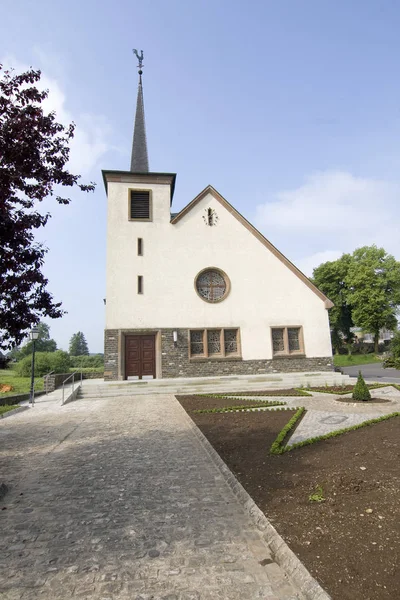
(62, 402)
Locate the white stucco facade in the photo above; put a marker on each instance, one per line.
(265, 292)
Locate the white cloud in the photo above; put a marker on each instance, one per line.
(308, 263)
(331, 213)
(92, 131)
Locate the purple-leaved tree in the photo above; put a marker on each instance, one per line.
(34, 151)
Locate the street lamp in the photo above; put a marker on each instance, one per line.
(33, 334)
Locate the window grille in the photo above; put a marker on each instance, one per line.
(294, 339)
(197, 343)
(230, 340)
(287, 340)
(214, 343)
(211, 285)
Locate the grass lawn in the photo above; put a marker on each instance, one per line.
(20, 385)
(4, 409)
(344, 360)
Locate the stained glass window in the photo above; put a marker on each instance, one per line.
(277, 340)
(197, 342)
(214, 341)
(230, 338)
(287, 340)
(211, 285)
(294, 339)
(220, 343)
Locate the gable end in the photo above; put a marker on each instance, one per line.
(210, 190)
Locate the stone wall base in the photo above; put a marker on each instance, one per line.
(175, 361)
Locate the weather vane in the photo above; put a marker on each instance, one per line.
(140, 59)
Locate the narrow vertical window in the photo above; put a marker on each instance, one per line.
(140, 284)
(140, 246)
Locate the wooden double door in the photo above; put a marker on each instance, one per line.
(140, 356)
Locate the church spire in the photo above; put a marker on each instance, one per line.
(139, 159)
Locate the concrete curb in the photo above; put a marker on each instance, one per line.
(10, 413)
(283, 555)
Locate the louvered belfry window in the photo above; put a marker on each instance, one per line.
(140, 205)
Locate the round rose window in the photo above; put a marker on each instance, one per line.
(212, 285)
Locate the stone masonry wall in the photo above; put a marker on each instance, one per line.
(176, 362)
(111, 354)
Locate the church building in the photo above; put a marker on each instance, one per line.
(200, 292)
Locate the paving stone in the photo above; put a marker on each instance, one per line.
(116, 498)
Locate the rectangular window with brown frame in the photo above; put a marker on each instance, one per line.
(287, 341)
(214, 343)
(139, 205)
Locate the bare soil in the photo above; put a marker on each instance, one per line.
(353, 553)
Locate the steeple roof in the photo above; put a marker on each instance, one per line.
(139, 159)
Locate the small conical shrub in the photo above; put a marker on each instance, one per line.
(361, 391)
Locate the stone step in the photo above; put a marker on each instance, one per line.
(203, 385)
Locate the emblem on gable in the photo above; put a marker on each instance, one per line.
(211, 217)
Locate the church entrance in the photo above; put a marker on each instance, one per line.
(140, 356)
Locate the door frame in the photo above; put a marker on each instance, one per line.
(122, 333)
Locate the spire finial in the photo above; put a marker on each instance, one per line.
(139, 158)
(140, 59)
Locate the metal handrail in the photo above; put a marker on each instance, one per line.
(73, 384)
(45, 381)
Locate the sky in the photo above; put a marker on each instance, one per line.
(289, 108)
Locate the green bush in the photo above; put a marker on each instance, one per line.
(394, 346)
(391, 362)
(45, 362)
(96, 360)
(361, 391)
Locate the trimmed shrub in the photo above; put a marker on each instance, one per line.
(44, 363)
(361, 391)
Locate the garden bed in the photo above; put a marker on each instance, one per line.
(191, 403)
(274, 392)
(353, 553)
(347, 389)
(372, 400)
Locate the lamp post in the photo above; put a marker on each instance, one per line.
(33, 334)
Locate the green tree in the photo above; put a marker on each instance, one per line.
(373, 290)
(44, 343)
(78, 345)
(331, 279)
(34, 154)
(394, 347)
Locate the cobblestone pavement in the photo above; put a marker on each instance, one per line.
(115, 498)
